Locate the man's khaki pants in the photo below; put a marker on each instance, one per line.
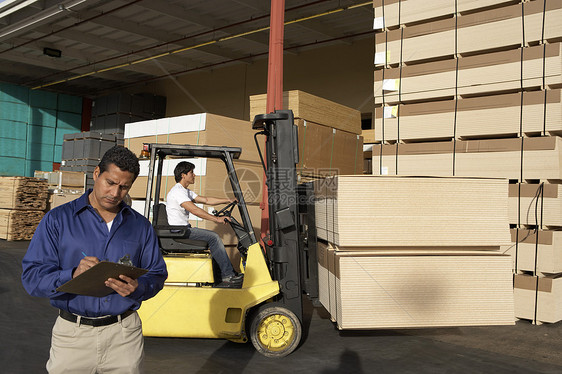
(116, 348)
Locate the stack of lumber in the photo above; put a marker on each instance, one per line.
(473, 88)
(22, 204)
(211, 177)
(330, 141)
(413, 251)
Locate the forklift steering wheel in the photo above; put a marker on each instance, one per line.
(226, 211)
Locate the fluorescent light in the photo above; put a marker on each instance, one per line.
(41, 16)
(15, 8)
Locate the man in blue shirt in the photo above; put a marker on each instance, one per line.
(92, 334)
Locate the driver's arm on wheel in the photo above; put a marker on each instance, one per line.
(201, 213)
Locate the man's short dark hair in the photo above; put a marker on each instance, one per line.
(123, 158)
(183, 167)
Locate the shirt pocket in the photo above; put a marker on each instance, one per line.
(132, 249)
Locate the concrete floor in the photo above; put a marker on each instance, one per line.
(26, 322)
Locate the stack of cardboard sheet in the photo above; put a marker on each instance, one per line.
(504, 114)
(490, 29)
(536, 205)
(512, 158)
(64, 186)
(427, 256)
(211, 176)
(538, 251)
(538, 298)
(473, 89)
(391, 13)
(22, 204)
(412, 288)
(330, 141)
(412, 211)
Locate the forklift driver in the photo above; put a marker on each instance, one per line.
(180, 202)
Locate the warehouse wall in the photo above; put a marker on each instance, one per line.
(341, 73)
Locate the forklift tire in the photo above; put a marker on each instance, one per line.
(275, 331)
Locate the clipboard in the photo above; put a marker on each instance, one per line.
(92, 281)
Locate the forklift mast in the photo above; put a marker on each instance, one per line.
(284, 246)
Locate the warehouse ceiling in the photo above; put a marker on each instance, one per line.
(108, 45)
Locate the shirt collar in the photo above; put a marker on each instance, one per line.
(83, 203)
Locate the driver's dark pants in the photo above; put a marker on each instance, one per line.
(216, 247)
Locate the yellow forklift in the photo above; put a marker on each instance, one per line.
(267, 309)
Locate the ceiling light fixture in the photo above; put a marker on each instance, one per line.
(39, 17)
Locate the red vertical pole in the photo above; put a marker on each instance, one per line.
(275, 66)
(274, 84)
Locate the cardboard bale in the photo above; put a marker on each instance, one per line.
(393, 13)
(488, 73)
(538, 298)
(314, 109)
(430, 159)
(432, 289)
(538, 251)
(194, 129)
(327, 151)
(538, 205)
(57, 199)
(63, 180)
(413, 211)
(415, 122)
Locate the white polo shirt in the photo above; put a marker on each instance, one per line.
(177, 215)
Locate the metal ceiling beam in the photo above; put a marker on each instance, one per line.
(102, 42)
(181, 14)
(150, 32)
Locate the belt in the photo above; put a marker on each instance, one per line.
(96, 322)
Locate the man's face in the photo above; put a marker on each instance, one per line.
(110, 187)
(189, 177)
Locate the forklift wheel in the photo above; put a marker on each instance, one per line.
(275, 331)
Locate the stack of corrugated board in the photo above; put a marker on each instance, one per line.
(211, 177)
(64, 186)
(330, 141)
(461, 88)
(22, 204)
(413, 251)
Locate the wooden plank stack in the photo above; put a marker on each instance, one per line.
(473, 88)
(22, 204)
(426, 252)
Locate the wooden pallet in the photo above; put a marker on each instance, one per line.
(19, 224)
(23, 193)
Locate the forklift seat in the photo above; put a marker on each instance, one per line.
(174, 238)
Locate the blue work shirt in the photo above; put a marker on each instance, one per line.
(71, 230)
